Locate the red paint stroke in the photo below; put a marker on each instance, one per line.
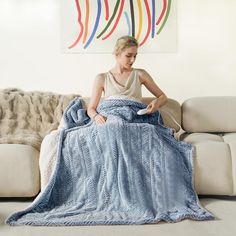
(149, 23)
(106, 9)
(117, 20)
(80, 24)
(162, 12)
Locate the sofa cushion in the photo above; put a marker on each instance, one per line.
(214, 162)
(19, 170)
(209, 114)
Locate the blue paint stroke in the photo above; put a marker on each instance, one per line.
(153, 18)
(128, 22)
(95, 25)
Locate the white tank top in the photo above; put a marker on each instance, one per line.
(131, 90)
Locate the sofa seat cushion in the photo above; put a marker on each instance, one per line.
(214, 162)
(201, 137)
(19, 170)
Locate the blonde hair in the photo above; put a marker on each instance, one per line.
(124, 42)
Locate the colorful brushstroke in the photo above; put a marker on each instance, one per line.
(113, 17)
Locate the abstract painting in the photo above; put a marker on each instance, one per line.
(92, 26)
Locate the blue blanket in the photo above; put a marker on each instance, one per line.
(130, 170)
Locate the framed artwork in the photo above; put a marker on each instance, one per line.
(93, 26)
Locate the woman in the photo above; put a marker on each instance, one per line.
(124, 81)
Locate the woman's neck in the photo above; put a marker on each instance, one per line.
(120, 70)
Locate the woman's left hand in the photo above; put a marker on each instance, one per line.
(153, 106)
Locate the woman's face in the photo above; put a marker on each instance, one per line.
(127, 57)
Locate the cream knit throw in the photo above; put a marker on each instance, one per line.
(26, 117)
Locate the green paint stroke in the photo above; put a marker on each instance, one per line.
(166, 17)
(111, 19)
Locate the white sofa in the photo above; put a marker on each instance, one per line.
(207, 123)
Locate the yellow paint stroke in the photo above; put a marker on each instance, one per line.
(86, 21)
(140, 22)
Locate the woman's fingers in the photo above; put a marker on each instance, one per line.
(99, 119)
(153, 106)
(101, 122)
(150, 108)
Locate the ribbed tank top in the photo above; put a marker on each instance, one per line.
(131, 90)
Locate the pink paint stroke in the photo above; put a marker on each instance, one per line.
(162, 12)
(107, 9)
(149, 23)
(80, 24)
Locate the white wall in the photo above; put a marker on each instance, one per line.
(204, 65)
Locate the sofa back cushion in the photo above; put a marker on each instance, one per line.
(209, 114)
(171, 111)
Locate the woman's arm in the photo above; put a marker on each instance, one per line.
(97, 90)
(149, 83)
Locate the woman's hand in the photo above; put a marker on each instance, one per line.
(157, 103)
(153, 106)
(99, 119)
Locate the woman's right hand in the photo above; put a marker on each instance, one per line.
(99, 119)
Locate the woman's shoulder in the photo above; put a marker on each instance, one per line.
(142, 74)
(100, 77)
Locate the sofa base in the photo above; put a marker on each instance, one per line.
(19, 171)
(224, 224)
(214, 162)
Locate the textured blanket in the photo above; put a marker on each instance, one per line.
(26, 117)
(130, 170)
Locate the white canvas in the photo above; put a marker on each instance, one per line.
(83, 23)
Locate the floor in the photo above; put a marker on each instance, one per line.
(224, 209)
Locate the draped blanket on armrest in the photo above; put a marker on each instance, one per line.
(130, 170)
